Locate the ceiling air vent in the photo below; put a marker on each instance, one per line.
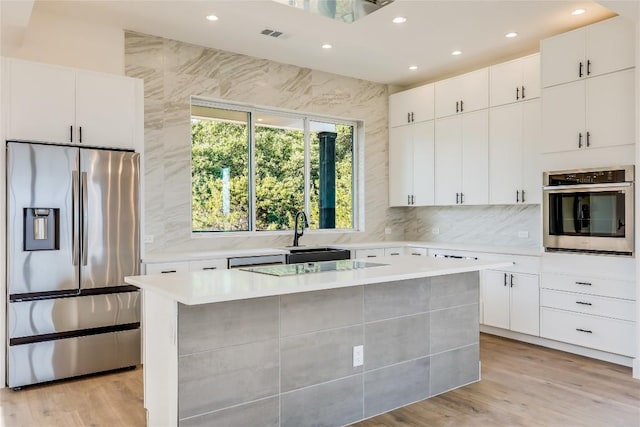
(272, 33)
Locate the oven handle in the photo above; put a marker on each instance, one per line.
(621, 185)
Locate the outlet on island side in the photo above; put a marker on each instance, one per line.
(523, 234)
(148, 238)
(435, 230)
(358, 355)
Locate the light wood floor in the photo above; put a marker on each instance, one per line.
(522, 385)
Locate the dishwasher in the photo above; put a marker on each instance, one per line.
(250, 261)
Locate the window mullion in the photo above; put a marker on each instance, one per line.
(307, 168)
(252, 175)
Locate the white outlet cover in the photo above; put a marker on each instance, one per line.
(523, 234)
(148, 238)
(358, 355)
(435, 230)
(387, 230)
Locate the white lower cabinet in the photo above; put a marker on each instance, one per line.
(369, 253)
(586, 301)
(414, 251)
(600, 333)
(511, 301)
(186, 266)
(209, 264)
(393, 251)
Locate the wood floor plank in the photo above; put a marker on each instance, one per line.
(522, 385)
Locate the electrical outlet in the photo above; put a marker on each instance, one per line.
(148, 238)
(523, 234)
(435, 230)
(387, 230)
(358, 355)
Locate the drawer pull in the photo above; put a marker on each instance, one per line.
(583, 283)
(209, 268)
(583, 303)
(371, 256)
(584, 330)
(415, 253)
(394, 253)
(168, 271)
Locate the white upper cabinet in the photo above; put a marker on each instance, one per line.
(588, 52)
(61, 105)
(515, 175)
(105, 109)
(514, 81)
(41, 102)
(593, 113)
(411, 163)
(461, 159)
(411, 106)
(462, 94)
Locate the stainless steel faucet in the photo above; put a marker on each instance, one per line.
(304, 224)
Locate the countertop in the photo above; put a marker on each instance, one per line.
(204, 287)
(228, 253)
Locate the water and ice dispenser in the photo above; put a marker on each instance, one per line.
(41, 229)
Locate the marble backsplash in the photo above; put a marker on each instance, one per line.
(174, 71)
(484, 225)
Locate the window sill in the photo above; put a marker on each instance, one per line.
(279, 233)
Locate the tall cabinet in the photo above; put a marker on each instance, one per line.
(589, 87)
(411, 147)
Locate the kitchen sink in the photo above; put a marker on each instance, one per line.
(313, 254)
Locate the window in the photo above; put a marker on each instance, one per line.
(253, 169)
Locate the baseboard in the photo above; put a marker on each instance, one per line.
(569, 348)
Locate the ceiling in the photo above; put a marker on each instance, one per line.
(372, 48)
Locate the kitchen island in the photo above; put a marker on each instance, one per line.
(241, 348)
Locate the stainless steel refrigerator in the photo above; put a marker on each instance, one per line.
(72, 237)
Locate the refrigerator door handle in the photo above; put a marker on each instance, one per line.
(85, 219)
(74, 217)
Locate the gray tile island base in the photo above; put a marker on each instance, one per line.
(287, 360)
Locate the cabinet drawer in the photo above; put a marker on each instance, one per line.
(611, 335)
(167, 267)
(416, 251)
(589, 285)
(588, 304)
(393, 251)
(369, 253)
(209, 264)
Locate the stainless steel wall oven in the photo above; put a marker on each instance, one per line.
(589, 210)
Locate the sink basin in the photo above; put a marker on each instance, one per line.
(301, 254)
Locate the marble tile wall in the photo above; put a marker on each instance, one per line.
(485, 225)
(174, 71)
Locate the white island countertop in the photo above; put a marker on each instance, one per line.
(204, 287)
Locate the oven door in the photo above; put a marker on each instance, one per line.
(589, 218)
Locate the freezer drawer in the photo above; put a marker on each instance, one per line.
(64, 358)
(51, 316)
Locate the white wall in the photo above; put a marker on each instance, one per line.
(59, 40)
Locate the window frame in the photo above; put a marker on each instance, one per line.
(357, 223)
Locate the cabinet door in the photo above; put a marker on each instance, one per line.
(167, 268)
(495, 298)
(41, 102)
(448, 155)
(524, 303)
(611, 109)
(505, 154)
(563, 116)
(400, 165)
(475, 90)
(411, 106)
(448, 94)
(393, 251)
(531, 77)
(610, 46)
(208, 265)
(475, 158)
(105, 109)
(561, 57)
(423, 163)
(531, 159)
(506, 82)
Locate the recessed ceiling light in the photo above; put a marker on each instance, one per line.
(413, 67)
(578, 12)
(327, 46)
(511, 35)
(399, 20)
(456, 52)
(212, 18)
